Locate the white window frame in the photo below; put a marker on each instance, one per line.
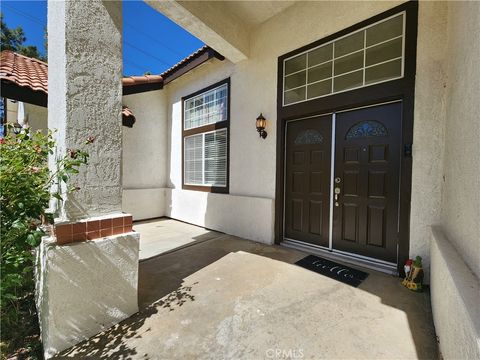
(203, 158)
(202, 95)
(404, 16)
(203, 130)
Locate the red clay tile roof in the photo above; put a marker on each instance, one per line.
(190, 62)
(31, 73)
(24, 71)
(137, 80)
(197, 53)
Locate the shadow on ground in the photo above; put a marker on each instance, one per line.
(162, 288)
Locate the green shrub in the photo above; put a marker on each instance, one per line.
(25, 183)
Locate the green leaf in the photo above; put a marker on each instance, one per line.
(31, 240)
(72, 171)
(18, 224)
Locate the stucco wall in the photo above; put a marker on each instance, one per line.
(252, 160)
(455, 244)
(244, 216)
(454, 294)
(84, 288)
(85, 94)
(429, 124)
(254, 86)
(461, 191)
(37, 117)
(144, 162)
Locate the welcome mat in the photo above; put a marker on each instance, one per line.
(333, 270)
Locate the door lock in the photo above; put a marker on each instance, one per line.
(338, 180)
(337, 191)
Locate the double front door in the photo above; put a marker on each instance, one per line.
(342, 176)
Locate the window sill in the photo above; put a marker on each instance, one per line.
(210, 189)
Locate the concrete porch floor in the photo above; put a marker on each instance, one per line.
(230, 298)
(162, 235)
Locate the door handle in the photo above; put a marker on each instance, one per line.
(337, 191)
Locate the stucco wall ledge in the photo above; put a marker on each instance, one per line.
(84, 288)
(454, 293)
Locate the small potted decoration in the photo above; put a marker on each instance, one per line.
(413, 274)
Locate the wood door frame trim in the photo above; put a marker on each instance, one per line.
(401, 89)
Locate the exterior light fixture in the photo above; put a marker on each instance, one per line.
(17, 128)
(261, 124)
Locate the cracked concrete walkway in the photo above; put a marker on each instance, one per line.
(230, 298)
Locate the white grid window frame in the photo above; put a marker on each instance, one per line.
(206, 108)
(334, 76)
(205, 142)
(206, 164)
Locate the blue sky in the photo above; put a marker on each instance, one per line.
(151, 42)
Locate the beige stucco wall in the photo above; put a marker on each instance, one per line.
(84, 288)
(254, 86)
(253, 90)
(455, 242)
(429, 123)
(36, 116)
(144, 156)
(454, 290)
(460, 215)
(85, 99)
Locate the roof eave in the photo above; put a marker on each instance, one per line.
(11, 90)
(140, 88)
(189, 65)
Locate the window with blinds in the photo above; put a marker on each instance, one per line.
(205, 139)
(206, 159)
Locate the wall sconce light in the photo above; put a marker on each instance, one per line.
(17, 128)
(261, 124)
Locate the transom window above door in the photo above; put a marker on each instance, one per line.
(205, 139)
(365, 57)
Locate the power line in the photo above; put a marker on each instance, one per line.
(153, 39)
(136, 65)
(146, 53)
(40, 22)
(25, 15)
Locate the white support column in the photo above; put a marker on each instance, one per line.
(87, 272)
(85, 99)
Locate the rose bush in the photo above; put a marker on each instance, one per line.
(25, 183)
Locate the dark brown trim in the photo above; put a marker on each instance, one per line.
(12, 91)
(401, 89)
(207, 128)
(136, 89)
(191, 64)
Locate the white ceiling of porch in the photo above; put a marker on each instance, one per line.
(253, 13)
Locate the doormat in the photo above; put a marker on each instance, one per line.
(333, 270)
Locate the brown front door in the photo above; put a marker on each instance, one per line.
(367, 173)
(307, 188)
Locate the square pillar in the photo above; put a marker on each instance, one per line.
(87, 271)
(85, 99)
